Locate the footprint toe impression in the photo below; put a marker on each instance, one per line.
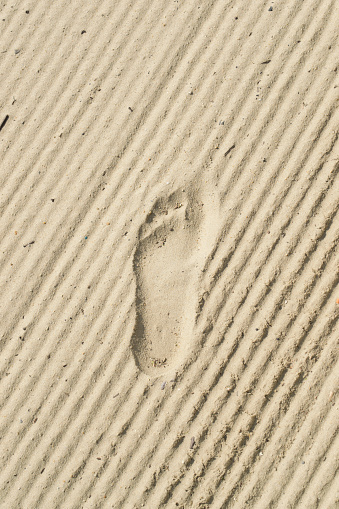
(167, 264)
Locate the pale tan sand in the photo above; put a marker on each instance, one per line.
(169, 269)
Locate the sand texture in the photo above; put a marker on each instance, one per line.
(169, 268)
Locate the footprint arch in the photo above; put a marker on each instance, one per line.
(173, 244)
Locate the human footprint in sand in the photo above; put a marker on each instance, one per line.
(173, 245)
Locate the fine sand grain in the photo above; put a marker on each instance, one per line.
(169, 306)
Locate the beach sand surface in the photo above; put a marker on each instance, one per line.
(169, 275)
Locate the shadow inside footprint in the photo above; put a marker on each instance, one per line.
(167, 264)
